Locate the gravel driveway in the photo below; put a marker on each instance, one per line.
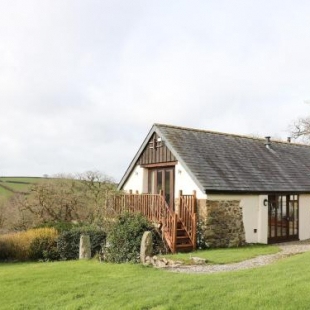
(288, 249)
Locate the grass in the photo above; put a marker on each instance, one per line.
(226, 256)
(17, 184)
(91, 285)
(4, 192)
(20, 179)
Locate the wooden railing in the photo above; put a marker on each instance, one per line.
(153, 207)
(188, 215)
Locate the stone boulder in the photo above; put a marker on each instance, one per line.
(198, 260)
(161, 262)
(85, 249)
(146, 248)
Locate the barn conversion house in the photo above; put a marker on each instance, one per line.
(220, 189)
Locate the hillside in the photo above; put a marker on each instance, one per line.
(11, 185)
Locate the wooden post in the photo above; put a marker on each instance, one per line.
(174, 233)
(195, 202)
(194, 237)
(178, 203)
(194, 221)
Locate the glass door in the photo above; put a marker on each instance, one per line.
(162, 180)
(282, 218)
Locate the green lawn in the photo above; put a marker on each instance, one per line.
(224, 256)
(91, 285)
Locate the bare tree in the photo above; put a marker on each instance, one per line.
(80, 198)
(96, 189)
(301, 129)
(52, 200)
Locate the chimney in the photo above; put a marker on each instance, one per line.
(289, 139)
(268, 142)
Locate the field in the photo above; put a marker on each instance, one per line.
(11, 185)
(94, 285)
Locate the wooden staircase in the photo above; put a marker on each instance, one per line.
(183, 241)
(179, 231)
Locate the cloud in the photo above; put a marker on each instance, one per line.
(81, 83)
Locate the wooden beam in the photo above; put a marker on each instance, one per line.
(158, 165)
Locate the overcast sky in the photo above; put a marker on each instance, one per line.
(82, 82)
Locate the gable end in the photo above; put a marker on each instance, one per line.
(156, 152)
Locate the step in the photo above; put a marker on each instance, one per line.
(181, 232)
(183, 240)
(184, 248)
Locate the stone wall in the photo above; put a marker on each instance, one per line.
(220, 224)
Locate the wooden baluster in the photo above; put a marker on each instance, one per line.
(174, 233)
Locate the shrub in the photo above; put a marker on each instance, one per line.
(43, 248)
(28, 244)
(69, 241)
(5, 250)
(202, 242)
(124, 239)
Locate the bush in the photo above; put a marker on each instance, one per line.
(43, 248)
(5, 250)
(29, 244)
(124, 239)
(69, 241)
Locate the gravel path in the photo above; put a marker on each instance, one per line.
(288, 249)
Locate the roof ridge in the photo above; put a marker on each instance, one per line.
(228, 134)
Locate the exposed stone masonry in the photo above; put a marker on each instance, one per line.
(220, 223)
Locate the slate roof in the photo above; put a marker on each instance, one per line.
(223, 163)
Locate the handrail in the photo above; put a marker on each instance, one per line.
(152, 206)
(188, 216)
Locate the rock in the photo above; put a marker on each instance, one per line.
(85, 250)
(146, 248)
(148, 261)
(160, 264)
(164, 260)
(198, 260)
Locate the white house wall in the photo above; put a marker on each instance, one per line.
(255, 215)
(185, 183)
(304, 217)
(137, 181)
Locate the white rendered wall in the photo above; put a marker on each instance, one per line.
(185, 183)
(304, 217)
(262, 219)
(255, 215)
(137, 181)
